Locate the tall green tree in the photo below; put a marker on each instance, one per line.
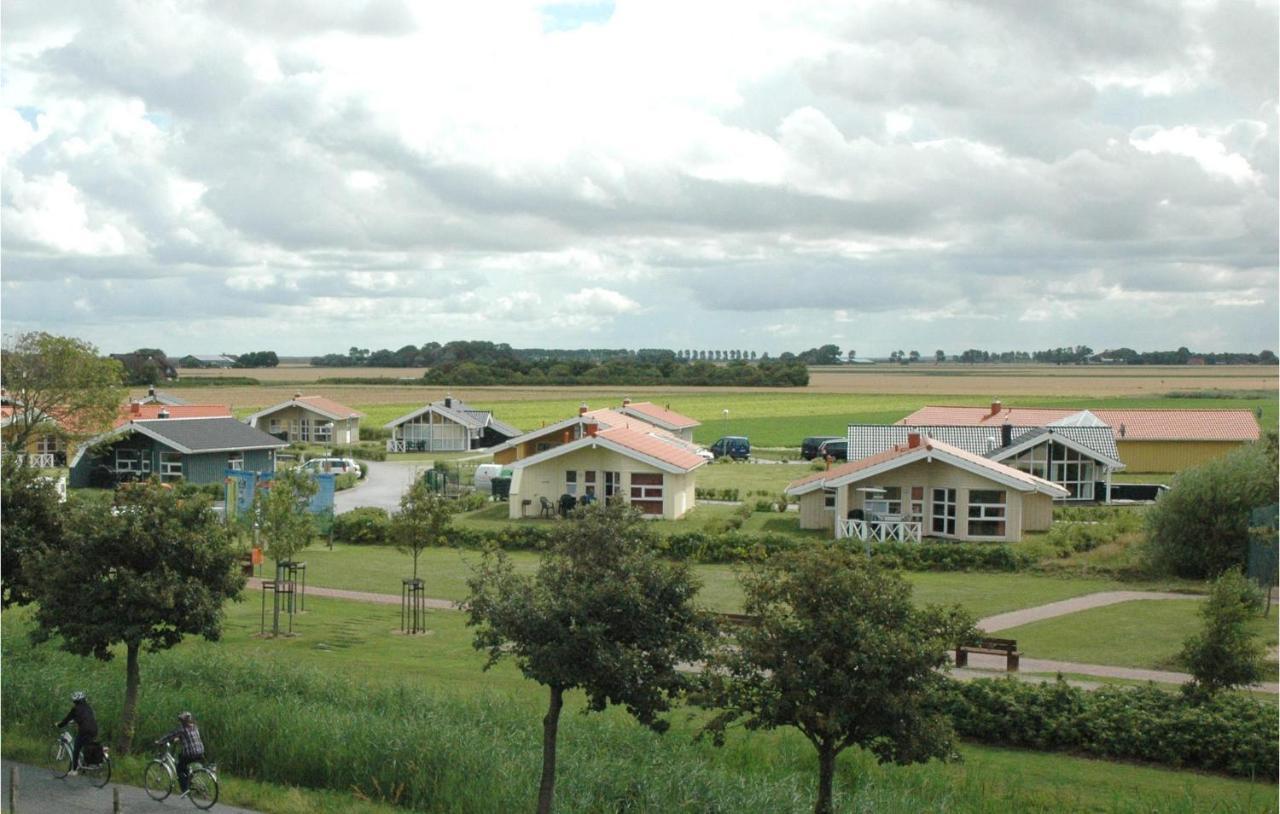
(424, 520)
(284, 525)
(1224, 654)
(603, 614)
(144, 573)
(59, 385)
(30, 521)
(841, 654)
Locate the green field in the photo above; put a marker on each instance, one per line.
(1147, 634)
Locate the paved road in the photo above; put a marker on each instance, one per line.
(382, 487)
(39, 792)
(1004, 621)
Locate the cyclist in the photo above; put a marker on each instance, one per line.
(86, 727)
(192, 748)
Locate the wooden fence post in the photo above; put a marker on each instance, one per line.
(115, 800)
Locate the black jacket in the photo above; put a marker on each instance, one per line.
(82, 714)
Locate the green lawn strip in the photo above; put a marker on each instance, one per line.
(1146, 634)
(748, 478)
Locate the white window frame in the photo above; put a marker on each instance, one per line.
(649, 492)
(274, 426)
(942, 509)
(322, 432)
(235, 460)
(985, 511)
(829, 498)
(168, 460)
(1075, 472)
(612, 484)
(129, 460)
(49, 445)
(571, 482)
(916, 514)
(305, 424)
(892, 500)
(589, 482)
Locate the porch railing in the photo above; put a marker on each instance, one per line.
(40, 460)
(880, 531)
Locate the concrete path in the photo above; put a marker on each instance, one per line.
(1004, 621)
(255, 584)
(381, 488)
(981, 665)
(39, 792)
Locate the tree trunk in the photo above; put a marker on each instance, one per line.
(129, 715)
(275, 602)
(550, 726)
(826, 773)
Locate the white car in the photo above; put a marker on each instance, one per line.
(337, 466)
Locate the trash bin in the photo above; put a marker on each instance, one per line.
(500, 488)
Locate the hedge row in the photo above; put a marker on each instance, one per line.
(1228, 733)
(370, 526)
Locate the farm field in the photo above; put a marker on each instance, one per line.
(349, 681)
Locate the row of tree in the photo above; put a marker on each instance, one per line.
(765, 373)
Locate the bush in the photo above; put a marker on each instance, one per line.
(1227, 733)
(363, 526)
(345, 481)
(469, 502)
(1200, 528)
(1225, 654)
(374, 434)
(213, 491)
(361, 452)
(954, 556)
(716, 494)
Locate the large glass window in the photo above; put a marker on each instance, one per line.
(646, 492)
(944, 511)
(170, 465)
(1074, 472)
(986, 513)
(323, 432)
(1034, 461)
(612, 484)
(892, 500)
(128, 460)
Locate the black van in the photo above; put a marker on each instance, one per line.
(735, 446)
(809, 446)
(837, 450)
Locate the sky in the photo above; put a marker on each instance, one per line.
(899, 174)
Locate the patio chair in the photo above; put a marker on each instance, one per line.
(567, 504)
(548, 508)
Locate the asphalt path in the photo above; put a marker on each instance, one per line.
(39, 792)
(381, 488)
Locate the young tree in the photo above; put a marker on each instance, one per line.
(602, 614)
(147, 571)
(283, 522)
(1225, 654)
(58, 383)
(841, 654)
(423, 521)
(30, 521)
(939, 356)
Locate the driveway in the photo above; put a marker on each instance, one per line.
(381, 488)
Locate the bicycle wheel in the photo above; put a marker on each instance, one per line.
(204, 788)
(59, 759)
(102, 775)
(157, 780)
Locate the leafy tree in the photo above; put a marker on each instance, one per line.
(58, 384)
(423, 521)
(258, 358)
(914, 356)
(1225, 654)
(30, 521)
(602, 614)
(939, 356)
(284, 523)
(1200, 528)
(840, 653)
(145, 572)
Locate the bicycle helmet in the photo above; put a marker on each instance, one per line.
(77, 696)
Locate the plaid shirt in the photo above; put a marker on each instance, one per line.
(190, 737)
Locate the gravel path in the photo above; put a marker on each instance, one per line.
(39, 792)
(255, 584)
(1004, 621)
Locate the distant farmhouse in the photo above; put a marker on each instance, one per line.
(197, 360)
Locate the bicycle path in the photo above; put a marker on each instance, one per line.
(39, 792)
(1024, 616)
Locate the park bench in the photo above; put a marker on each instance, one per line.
(991, 647)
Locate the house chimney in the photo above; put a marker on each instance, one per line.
(164, 413)
(996, 406)
(448, 400)
(297, 396)
(591, 427)
(913, 440)
(626, 402)
(582, 408)
(151, 391)
(1006, 434)
(135, 408)
(1122, 429)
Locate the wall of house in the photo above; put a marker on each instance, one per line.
(547, 479)
(211, 467)
(535, 445)
(1170, 456)
(1037, 512)
(345, 431)
(813, 512)
(939, 475)
(436, 432)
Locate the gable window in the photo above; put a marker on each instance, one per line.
(571, 482)
(986, 512)
(646, 492)
(1073, 472)
(49, 445)
(170, 465)
(306, 429)
(944, 511)
(1034, 461)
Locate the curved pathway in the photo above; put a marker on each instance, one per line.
(381, 487)
(39, 792)
(1004, 621)
(255, 583)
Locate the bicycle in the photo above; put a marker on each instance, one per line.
(99, 774)
(162, 772)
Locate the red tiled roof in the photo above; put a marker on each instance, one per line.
(851, 467)
(648, 409)
(330, 406)
(1139, 425)
(655, 446)
(150, 411)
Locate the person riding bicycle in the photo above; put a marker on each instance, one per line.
(192, 748)
(86, 727)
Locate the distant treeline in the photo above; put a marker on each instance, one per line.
(764, 373)
(1083, 354)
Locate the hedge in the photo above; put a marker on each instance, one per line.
(1228, 733)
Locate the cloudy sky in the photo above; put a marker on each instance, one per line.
(305, 176)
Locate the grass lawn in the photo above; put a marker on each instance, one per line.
(1145, 634)
(749, 477)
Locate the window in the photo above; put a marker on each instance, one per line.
(323, 432)
(306, 429)
(944, 511)
(275, 427)
(829, 499)
(571, 482)
(1034, 461)
(235, 460)
(646, 492)
(986, 513)
(892, 500)
(49, 445)
(612, 484)
(170, 465)
(541, 446)
(128, 460)
(917, 504)
(295, 430)
(589, 482)
(1072, 471)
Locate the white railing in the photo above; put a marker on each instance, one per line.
(881, 531)
(40, 460)
(395, 445)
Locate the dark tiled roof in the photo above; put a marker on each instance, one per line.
(208, 434)
(870, 439)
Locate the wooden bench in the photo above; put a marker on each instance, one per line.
(991, 647)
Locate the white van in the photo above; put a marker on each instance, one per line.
(485, 473)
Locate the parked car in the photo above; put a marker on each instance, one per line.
(809, 446)
(485, 473)
(735, 446)
(837, 450)
(336, 466)
(703, 452)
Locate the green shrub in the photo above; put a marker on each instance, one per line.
(374, 434)
(346, 480)
(1225, 653)
(361, 452)
(1227, 733)
(469, 502)
(213, 491)
(939, 556)
(366, 525)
